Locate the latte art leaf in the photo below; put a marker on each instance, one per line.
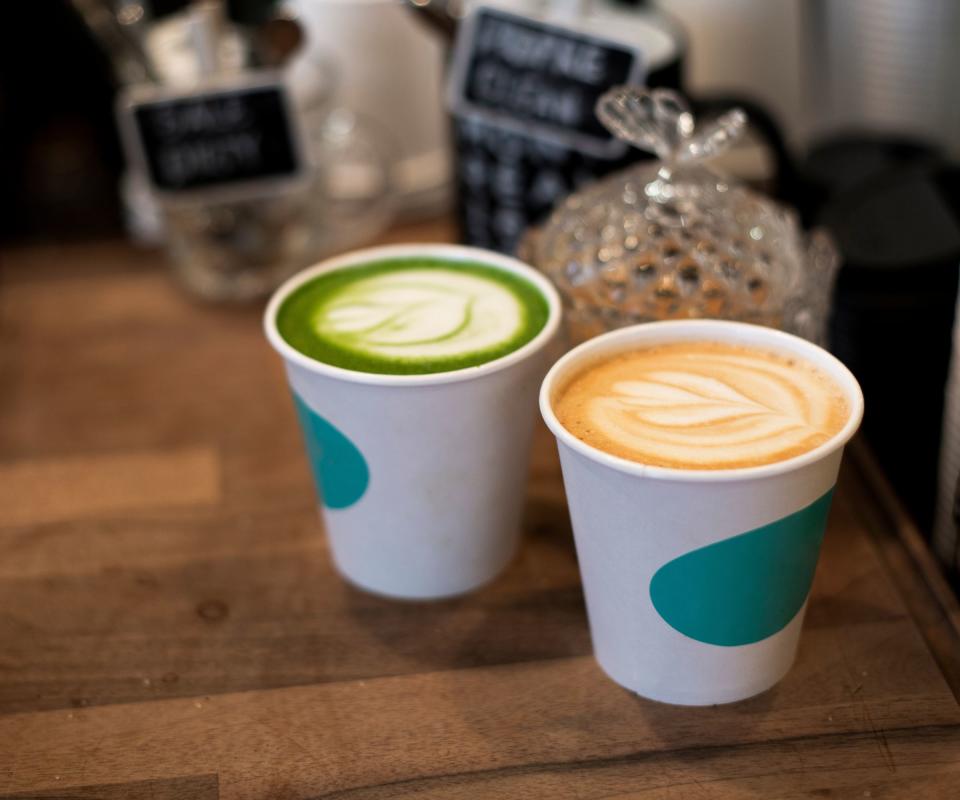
(660, 401)
(421, 314)
(404, 314)
(714, 420)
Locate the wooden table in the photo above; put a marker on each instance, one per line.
(171, 627)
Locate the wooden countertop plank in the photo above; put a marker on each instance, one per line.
(837, 766)
(42, 490)
(390, 730)
(909, 564)
(192, 787)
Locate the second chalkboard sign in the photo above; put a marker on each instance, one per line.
(221, 138)
(538, 78)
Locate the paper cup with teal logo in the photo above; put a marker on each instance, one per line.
(696, 581)
(420, 477)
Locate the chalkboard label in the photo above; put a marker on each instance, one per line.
(539, 78)
(221, 138)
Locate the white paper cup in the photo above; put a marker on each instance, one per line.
(671, 617)
(421, 478)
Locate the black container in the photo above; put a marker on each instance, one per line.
(899, 235)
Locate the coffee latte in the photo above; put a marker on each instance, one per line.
(412, 315)
(702, 406)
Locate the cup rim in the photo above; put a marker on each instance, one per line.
(450, 252)
(700, 330)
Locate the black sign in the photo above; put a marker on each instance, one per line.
(215, 139)
(538, 78)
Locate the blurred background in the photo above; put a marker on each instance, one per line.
(854, 123)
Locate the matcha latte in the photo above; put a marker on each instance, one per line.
(414, 370)
(412, 315)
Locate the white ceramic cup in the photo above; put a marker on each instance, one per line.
(696, 580)
(421, 478)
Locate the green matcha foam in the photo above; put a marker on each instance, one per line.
(412, 315)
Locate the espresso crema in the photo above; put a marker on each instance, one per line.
(702, 405)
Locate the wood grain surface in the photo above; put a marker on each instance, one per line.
(171, 625)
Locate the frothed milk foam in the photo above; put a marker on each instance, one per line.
(413, 315)
(702, 405)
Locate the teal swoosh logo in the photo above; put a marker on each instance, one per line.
(746, 588)
(339, 468)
